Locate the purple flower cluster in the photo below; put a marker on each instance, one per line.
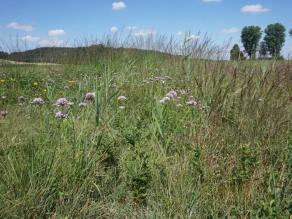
(61, 115)
(169, 96)
(63, 102)
(38, 101)
(90, 96)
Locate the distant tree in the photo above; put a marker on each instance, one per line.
(290, 32)
(275, 38)
(263, 50)
(236, 54)
(3, 55)
(250, 37)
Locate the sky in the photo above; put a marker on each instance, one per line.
(57, 22)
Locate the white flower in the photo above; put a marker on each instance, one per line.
(122, 98)
(122, 107)
(82, 104)
(38, 101)
(60, 115)
(164, 100)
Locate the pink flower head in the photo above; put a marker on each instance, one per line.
(90, 96)
(191, 101)
(122, 98)
(172, 94)
(63, 102)
(38, 101)
(82, 104)
(61, 115)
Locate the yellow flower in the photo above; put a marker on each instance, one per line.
(35, 83)
(45, 90)
(2, 81)
(71, 82)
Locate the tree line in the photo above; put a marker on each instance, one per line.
(270, 47)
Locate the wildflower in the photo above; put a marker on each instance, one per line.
(3, 97)
(38, 101)
(183, 92)
(191, 101)
(2, 81)
(179, 105)
(63, 102)
(164, 100)
(3, 113)
(61, 115)
(82, 104)
(90, 96)
(122, 107)
(122, 98)
(172, 94)
(71, 82)
(35, 83)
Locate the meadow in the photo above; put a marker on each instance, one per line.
(155, 136)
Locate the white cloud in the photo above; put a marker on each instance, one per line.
(207, 1)
(54, 43)
(18, 26)
(114, 29)
(145, 33)
(118, 6)
(257, 8)
(29, 38)
(57, 32)
(193, 37)
(230, 30)
(180, 33)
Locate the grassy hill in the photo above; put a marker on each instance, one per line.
(75, 55)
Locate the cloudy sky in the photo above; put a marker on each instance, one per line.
(55, 22)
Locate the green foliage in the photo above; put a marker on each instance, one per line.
(236, 54)
(250, 38)
(275, 38)
(3, 55)
(263, 50)
(226, 156)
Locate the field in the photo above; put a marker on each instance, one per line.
(163, 137)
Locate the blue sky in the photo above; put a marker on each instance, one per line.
(54, 22)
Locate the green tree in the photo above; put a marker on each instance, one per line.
(263, 50)
(236, 54)
(290, 32)
(275, 38)
(250, 37)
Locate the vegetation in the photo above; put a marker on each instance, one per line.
(236, 54)
(250, 38)
(150, 135)
(274, 39)
(263, 50)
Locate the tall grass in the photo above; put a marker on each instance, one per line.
(228, 156)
